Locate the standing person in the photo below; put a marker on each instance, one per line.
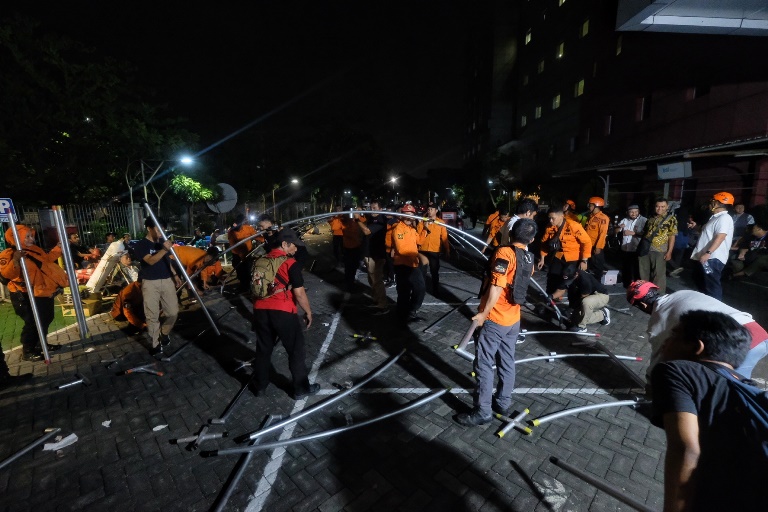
(494, 229)
(46, 276)
(566, 247)
(275, 316)
(389, 266)
(711, 252)
(716, 453)
(405, 255)
(661, 231)
(215, 234)
(337, 229)
(665, 311)
(499, 319)
(589, 298)
(352, 239)
(525, 209)
(488, 222)
(597, 229)
(241, 262)
(631, 229)
(375, 256)
(434, 239)
(159, 281)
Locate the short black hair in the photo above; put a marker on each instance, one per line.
(526, 205)
(725, 340)
(555, 209)
(503, 211)
(524, 231)
(266, 217)
(662, 200)
(149, 222)
(213, 251)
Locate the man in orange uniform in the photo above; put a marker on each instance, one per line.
(193, 259)
(597, 229)
(405, 255)
(494, 229)
(46, 276)
(565, 246)
(490, 220)
(499, 318)
(241, 230)
(434, 239)
(352, 239)
(338, 235)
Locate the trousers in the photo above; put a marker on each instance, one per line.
(270, 325)
(496, 345)
(159, 294)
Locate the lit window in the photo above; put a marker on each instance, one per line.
(584, 28)
(618, 46)
(523, 121)
(541, 67)
(525, 79)
(537, 115)
(556, 102)
(528, 36)
(560, 50)
(578, 88)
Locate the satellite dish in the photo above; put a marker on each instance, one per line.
(227, 200)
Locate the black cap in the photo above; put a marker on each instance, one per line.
(288, 235)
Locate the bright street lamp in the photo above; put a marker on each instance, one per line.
(186, 160)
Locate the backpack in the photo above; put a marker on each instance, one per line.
(518, 289)
(264, 275)
(753, 408)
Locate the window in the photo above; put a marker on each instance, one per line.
(541, 67)
(525, 79)
(556, 102)
(528, 36)
(578, 88)
(642, 108)
(523, 121)
(608, 125)
(618, 46)
(537, 114)
(584, 28)
(560, 51)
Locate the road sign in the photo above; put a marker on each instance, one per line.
(5, 205)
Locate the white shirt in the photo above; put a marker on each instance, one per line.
(720, 222)
(629, 243)
(506, 229)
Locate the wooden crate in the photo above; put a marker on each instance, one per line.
(90, 308)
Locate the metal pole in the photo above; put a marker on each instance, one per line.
(602, 485)
(328, 433)
(563, 356)
(30, 290)
(183, 271)
(576, 410)
(322, 404)
(439, 320)
(50, 432)
(599, 346)
(190, 342)
(69, 266)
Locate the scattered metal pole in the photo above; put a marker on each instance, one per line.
(79, 379)
(439, 320)
(511, 423)
(202, 436)
(576, 410)
(551, 302)
(183, 271)
(30, 289)
(623, 311)
(554, 356)
(602, 348)
(460, 348)
(223, 418)
(49, 433)
(190, 342)
(328, 433)
(146, 368)
(320, 405)
(602, 485)
(69, 266)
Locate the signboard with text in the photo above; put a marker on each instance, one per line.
(5, 205)
(674, 170)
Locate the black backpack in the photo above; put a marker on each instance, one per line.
(518, 289)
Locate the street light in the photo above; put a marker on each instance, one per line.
(295, 181)
(393, 179)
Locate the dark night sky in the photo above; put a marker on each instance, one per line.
(393, 68)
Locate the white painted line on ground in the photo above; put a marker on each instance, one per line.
(269, 475)
(464, 391)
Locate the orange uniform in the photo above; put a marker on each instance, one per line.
(234, 235)
(46, 276)
(504, 312)
(597, 229)
(191, 258)
(435, 239)
(576, 242)
(336, 225)
(405, 244)
(130, 304)
(493, 230)
(212, 272)
(353, 235)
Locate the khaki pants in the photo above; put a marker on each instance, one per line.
(653, 268)
(376, 280)
(590, 309)
(159, 293)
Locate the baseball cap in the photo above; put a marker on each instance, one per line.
(638, 290)
(290, 236)
(633, 207)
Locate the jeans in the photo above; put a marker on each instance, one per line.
(709, 284)
(495, 345)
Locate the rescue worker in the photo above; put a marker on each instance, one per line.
(494, 229)
(194, 259)
(434, 239)
(490, 220)
(565, 246)
(241, 230)
(499, 319)
(47, 279)
(212, 273)
(338, 235)
(405, 255)
(352, 240)
(276, 317)
(569, 210)
(597, 229)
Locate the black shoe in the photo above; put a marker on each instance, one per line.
(498, 410)
(165, 340)
(313, 388)
(473, 419)
(32, 356)
(156, 352)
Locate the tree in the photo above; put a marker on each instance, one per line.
(191, 192)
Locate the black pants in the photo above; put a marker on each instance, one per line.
(270, 325)
(434, 268)
(30, 341)
(561, 274)
(389, 268)
(243, 271)
(596, 264)
(351, 264)
(338, 247)
(630, 270)
(410, 290)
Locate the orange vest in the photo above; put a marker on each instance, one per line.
(191, 258)
(504, 312)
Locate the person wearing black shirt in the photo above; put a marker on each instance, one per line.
(79, 252)
(159, 281)
(374, 253)
(589, 297)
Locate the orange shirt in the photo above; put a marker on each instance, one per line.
(388, 236)
(242, 233)
(492, 217)
(504, 312)
(336, 226)
(435, 239)
(576, 242)
(405, 244)
(597, 229)
(493, 230)
(211, 271)
(353, 235)
(190, 257)
(46, 279)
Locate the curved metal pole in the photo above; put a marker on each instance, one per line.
(50, 432)
(473, 247)
(30, 290)
(576, 410)
(563, 356)
(327, 433)
(183, 271)
(439, 320)
(320, 405)
(69, 266)
(602, 485)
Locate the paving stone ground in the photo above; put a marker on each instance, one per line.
(420, 460)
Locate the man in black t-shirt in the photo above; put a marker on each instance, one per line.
(710, 463)
(589, 297)
(158, 286)
(374, 252)
(79, 252)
